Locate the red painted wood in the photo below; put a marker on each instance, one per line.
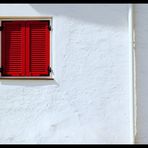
(13, 48)
(37, 48)
(25, 48)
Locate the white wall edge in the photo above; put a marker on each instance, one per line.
(131, 20)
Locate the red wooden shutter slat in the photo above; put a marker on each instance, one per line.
(13, 48)
(37, 48)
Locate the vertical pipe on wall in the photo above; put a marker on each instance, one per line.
(134, 71)
(131, 17)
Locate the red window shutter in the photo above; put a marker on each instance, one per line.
(37, 48)
(13, 48)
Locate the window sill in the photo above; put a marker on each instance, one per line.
(26, 78)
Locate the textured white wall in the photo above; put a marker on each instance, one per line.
(88, 102)
(142, 72)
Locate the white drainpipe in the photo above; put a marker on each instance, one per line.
(132, 44)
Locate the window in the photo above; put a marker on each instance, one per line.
(25, 48)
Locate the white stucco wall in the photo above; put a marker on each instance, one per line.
(141, 11)
(89, 100)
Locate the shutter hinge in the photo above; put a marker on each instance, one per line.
(1, 28)
(1, 69)
(49, 28)
(49, 70)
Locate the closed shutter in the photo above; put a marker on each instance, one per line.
(13, 48)
(37, 48)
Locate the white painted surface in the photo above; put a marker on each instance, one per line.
(132, 68)
(89, 101)
(142, 72)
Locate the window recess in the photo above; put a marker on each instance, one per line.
(25, 49)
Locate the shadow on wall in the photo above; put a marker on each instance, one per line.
(106, 14)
